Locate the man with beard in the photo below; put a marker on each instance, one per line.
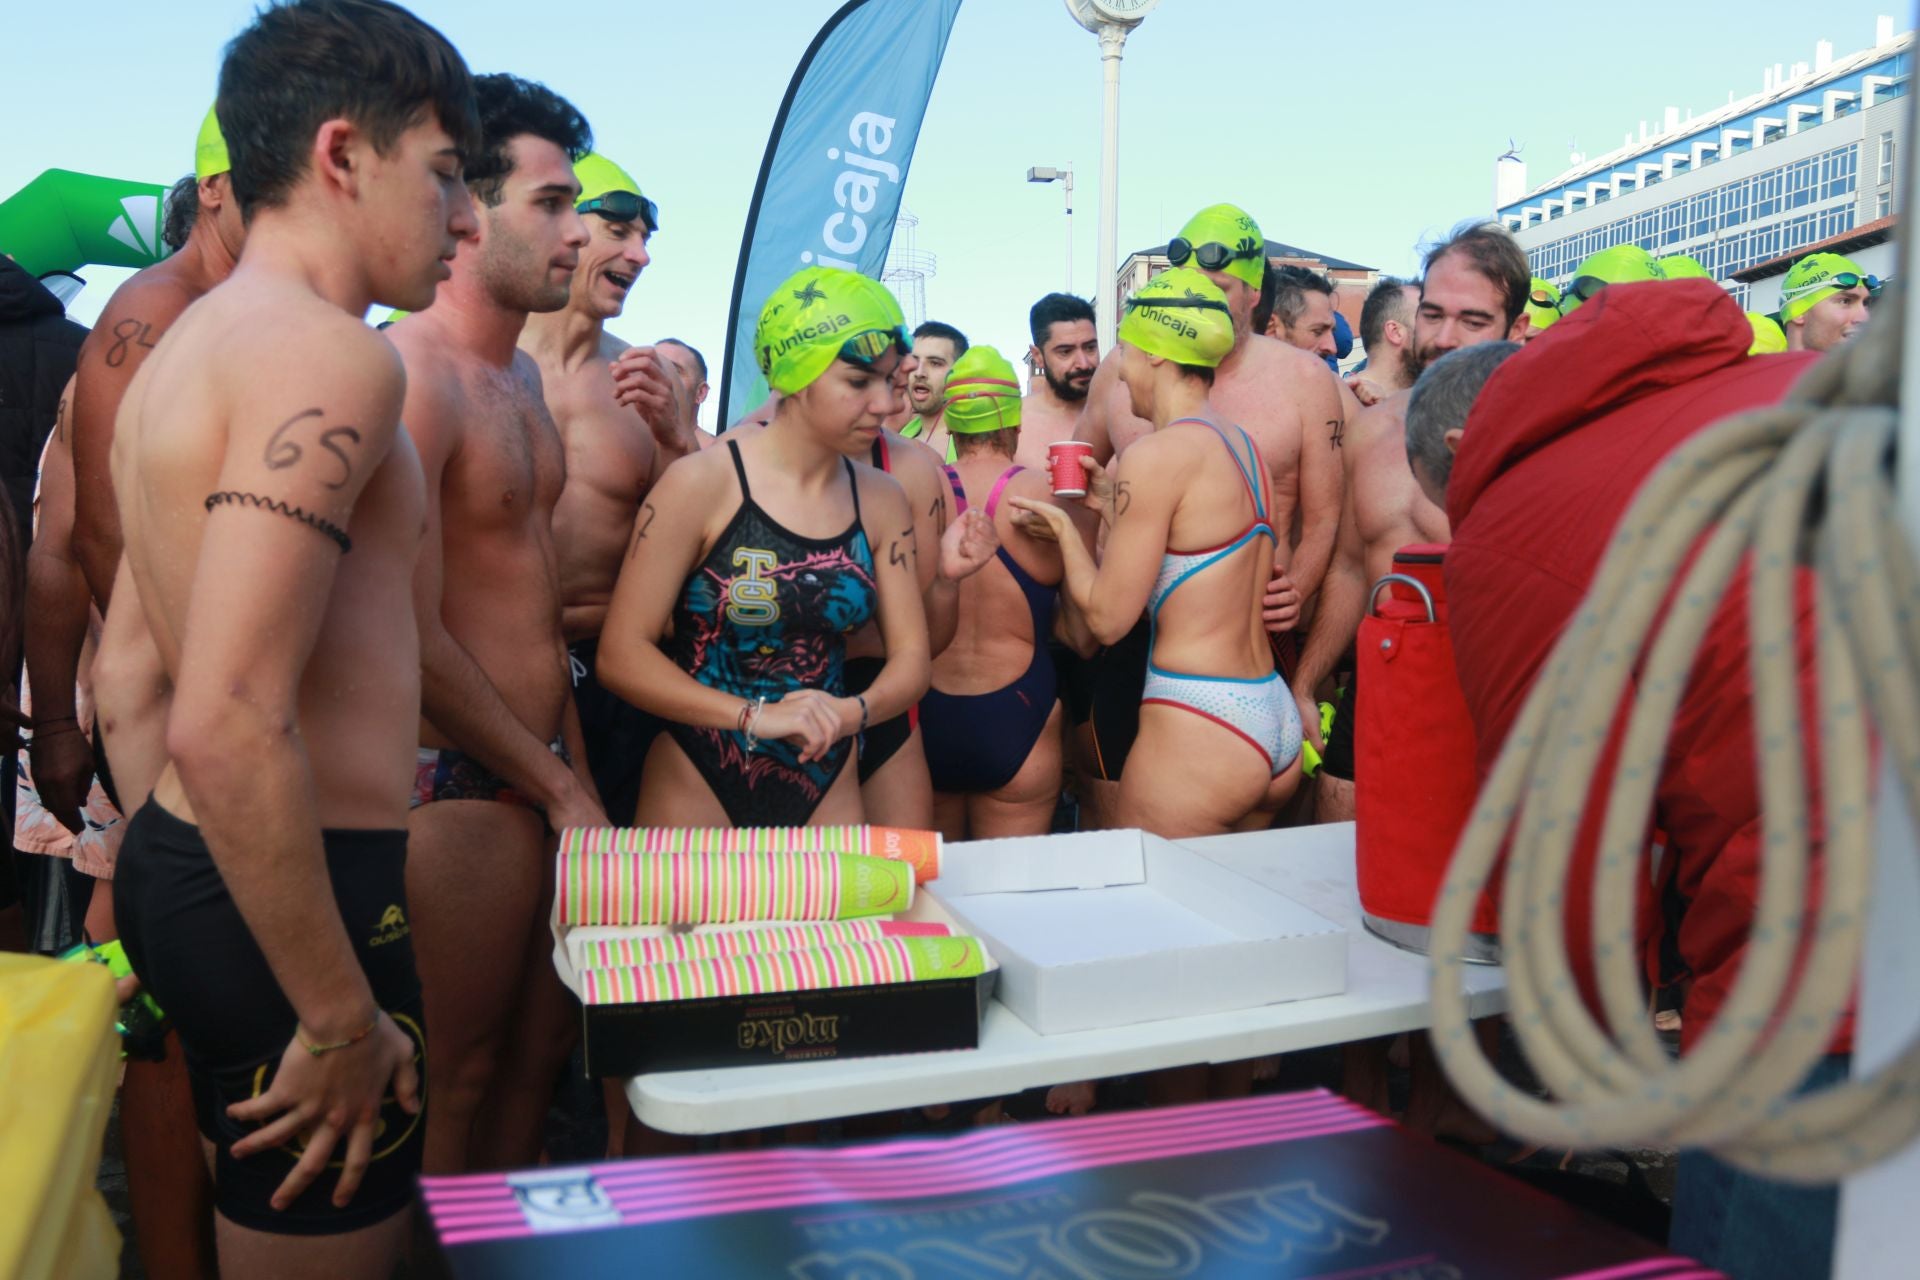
(500, 755)
(1474, 289)
(935, 347)
(1386, 331)
(1065, 354)
(1292, 406)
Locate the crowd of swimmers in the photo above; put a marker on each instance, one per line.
(346, 680)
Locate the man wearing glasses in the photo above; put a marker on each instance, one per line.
(1823, 302)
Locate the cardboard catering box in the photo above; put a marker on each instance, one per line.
(787, 1026)
(1109, 928)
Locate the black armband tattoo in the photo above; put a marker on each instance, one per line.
(236, 498)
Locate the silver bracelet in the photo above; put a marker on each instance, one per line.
(759, 705)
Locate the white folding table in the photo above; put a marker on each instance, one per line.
(1386, 994)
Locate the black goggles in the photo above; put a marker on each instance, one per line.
(1167, 304)
(1212, 256)
(1543, 299)
(623, 206)
(1582, 288)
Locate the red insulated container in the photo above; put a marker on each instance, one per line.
(1414, 782)
(1064, 459)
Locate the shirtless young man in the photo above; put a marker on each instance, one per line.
(1064, 356)
(166, 1177)
(1386, 331)
(497, 730)
(272, 510)
(1295, 410)
(614, 453)
(935, 347)
(1473, 290)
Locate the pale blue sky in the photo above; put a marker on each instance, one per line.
(1354, 129)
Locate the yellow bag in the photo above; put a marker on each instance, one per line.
(59, 1059)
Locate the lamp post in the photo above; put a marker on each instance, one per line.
(1112, 21)
(1064, 176)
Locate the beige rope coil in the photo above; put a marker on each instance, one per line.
(1807, 481)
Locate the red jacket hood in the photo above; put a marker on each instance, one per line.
(1629, 341)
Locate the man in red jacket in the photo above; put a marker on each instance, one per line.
(1557, 445)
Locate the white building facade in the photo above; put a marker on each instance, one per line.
(1808, 159)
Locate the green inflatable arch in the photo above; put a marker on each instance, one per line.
(62, 221)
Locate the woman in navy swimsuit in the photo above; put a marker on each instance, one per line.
(751, 564)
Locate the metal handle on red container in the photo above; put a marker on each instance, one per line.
(1405, 580)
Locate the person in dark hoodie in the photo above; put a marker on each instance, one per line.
(38, 347)
(1555, 449)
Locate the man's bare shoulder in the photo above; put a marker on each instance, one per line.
(611, 347)
(277, 336)
(1385, 418)
(153, 297)
(914, 455)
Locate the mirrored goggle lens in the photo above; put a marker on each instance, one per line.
(624, 206)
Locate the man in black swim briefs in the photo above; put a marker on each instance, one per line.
(272, 511)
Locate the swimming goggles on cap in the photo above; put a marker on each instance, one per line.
(623, 206)
(1153, 304)
(865, 349)
(1541, 298)
(1839, 280)
(1582, 288)
(1212, 256)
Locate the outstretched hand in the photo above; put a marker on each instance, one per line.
(968, 545)
(1365, 390)
(1042, 520)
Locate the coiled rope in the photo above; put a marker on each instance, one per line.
(1805, 482)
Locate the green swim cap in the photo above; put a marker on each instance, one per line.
(1681, 266)
(1180, 316)
(1543, 303)
(1768, 337)
(819, 314)
(599, 175)
(1621, 264)
(1231, 226)
(1806, 285)
(210, 149)
(983, 393)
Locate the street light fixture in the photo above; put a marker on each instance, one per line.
(1111, 21)
(1045, 174)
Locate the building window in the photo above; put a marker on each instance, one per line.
(1886, 158)
(1883, 205)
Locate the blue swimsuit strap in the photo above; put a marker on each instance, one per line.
(1249, 469)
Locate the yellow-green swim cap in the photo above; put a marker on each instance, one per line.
(1682, 266)
(600, 177)
(1811, 281)
(1543, 303)
(1181, 316)
(819, 314)
(1229, 225)
(210, 149)
(1768, 337)
(1621, 264)
(983, 393)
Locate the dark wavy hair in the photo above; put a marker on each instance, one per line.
(305, 62)
(510, 107)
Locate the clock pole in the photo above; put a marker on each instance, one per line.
(1112, 21)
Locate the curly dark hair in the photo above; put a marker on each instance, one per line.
(509, 108)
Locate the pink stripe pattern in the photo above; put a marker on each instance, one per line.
(484, 1206)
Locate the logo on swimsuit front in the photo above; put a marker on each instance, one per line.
(751, 598)
(393, 927)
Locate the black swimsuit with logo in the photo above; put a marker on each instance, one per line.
(768, 612)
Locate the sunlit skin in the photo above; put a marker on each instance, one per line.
(1459, 306)
(1829, 322)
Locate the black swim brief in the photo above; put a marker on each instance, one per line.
(1338, 760)
(880, 741)
(1119, 677)
(190, 947)
(617, 734)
